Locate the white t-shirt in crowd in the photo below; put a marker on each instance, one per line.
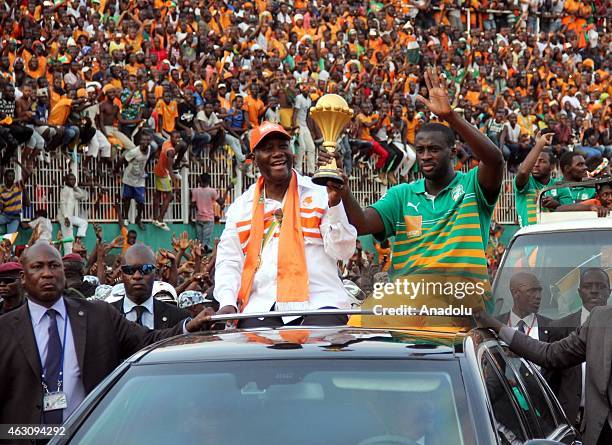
(302, 105)
(134, 174)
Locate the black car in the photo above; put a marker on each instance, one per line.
(322, 386)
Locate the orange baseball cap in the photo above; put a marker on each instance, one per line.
(265, 129)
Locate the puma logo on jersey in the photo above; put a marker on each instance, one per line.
(416, 207)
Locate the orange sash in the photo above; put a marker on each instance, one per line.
(292, 272)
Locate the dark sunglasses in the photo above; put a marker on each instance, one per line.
(8, 280)
(145, 269)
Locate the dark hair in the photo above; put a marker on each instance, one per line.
(567, 159)
(599, 187)
(435, 127)
(132, 231)
(205, 178)
(551, 156)
(587, 134)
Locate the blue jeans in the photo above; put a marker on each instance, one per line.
(71, 132)
(204, 231)
(11, 222)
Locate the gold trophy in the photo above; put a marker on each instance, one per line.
(331, 114)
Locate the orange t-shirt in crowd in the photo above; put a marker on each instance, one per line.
(169, 113)
(254, 108)
(364, 132)
(473, 97)
(162, 166)
(60, 112)
(411, 127)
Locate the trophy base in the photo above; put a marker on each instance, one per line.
(323, 175)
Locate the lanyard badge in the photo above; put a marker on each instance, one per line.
(54, 400)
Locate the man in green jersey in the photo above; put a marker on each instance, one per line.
(535, 173)
(574, 169)
(440, 223)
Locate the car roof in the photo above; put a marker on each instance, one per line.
(578, 224)
(301, 343)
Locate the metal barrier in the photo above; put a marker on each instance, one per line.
(45, 185)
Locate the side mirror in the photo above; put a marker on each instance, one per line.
(542, 442)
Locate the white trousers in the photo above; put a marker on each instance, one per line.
(81, 225)
(99, 144)
(36, 141)
(234, 144)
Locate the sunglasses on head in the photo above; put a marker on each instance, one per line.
(8, 280)
(145, 269)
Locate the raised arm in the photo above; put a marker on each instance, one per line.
(524, 170)
(491, 168)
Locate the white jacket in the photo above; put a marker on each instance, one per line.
(328, 237)
(69, 200)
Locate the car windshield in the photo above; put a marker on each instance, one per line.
(309, 402)
(556, 260)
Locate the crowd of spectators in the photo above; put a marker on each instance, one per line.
(144, 87)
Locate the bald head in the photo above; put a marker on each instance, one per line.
(526, 292)
(521, 278)
(43, 273)
(36, 249)
(138, 273)
(139, 254)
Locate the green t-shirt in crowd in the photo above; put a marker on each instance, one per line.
(525, 198)
(582, 193)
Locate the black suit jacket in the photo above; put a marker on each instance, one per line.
(591, 342)
(164, 315)
(103, 339)
(566, 383)
(543, 324)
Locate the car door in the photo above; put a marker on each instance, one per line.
(510, 423)
(553, 423)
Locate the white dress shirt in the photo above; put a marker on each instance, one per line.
(531, 321)
(129, 310)
(584, 314)
(73, 383)
(333, 240)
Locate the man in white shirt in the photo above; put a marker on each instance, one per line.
(526, 292)
(134, 178)
(300, 121)
(568, 384)
(68, 215)
(282, 240)
(99, 143)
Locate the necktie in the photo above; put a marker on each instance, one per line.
(521, 326)
(53, 364)
(139, 311)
